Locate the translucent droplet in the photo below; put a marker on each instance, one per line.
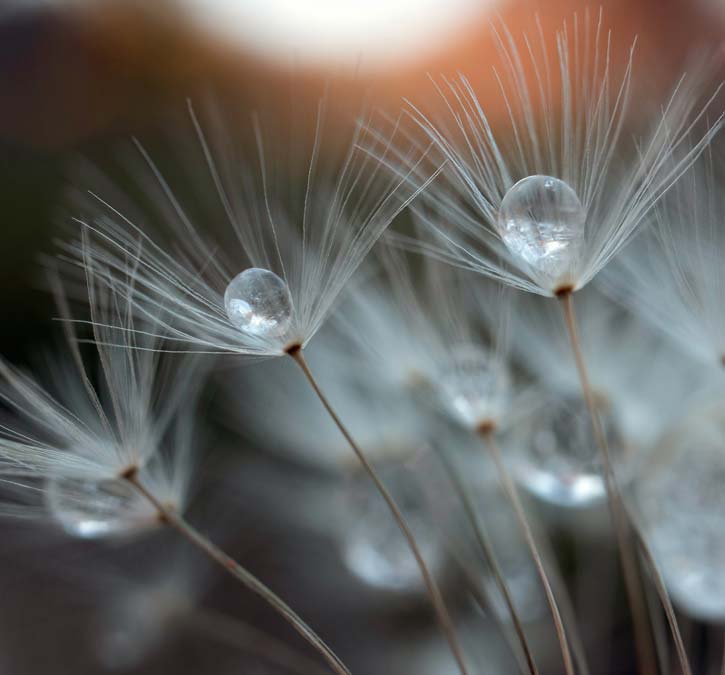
(512, 556)
(541, 220)
(91, 510)
(132, 628)
(373, 547)
(558, 459)
(474, 386)
(682, 504)
(258, 302)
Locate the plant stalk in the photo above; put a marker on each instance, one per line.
(174, 520)
(659, 584)
(620, 521)
(489, 556)
(430, 583)
(488, 435)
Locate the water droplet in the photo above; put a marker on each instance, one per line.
(512, 556)
(558, 459)
(259, 303)
(682, 504)
(474, 386)
(133, 628)
(373, 547)
(91, 510)
(541, 220)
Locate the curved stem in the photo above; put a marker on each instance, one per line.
(490, 557)
(620, 521)
(513, 497)
(176, 521)
(231, 631)
(430, 583)
(666, 602)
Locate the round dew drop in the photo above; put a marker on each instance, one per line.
(558, 460)
(541, 221)
(259, 303)
(92, 510)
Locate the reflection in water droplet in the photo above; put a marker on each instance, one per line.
(259, 303)
(541, 220)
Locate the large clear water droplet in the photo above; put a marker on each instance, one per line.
(682, 503)
(474, 385)
(91, 510)
(373, 547)
(541, 220)
(259, 303)
(558, 459)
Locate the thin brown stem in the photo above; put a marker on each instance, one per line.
(430, 583)
(240, 635)
(661, 589)
(174, 520)
(620, 522)
(512, 494)
(490, 557)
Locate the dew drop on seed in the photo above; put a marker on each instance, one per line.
(558, 459)
(259, 303)
(473, 385)
(372, 545)
(541, 220)
(91, 510)
(682, 503)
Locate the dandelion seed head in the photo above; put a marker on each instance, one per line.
(258, 302)
(541, 220)
(565, 129)
(474, 386)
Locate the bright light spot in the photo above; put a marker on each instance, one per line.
(370, 33)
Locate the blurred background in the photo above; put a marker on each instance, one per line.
(78, 78)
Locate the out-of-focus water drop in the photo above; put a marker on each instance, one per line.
(91, 510)
(374, 548)
(558, 459)
(136, 625)
(683, 510)
(513, 558)
(541, 220)
(474, 386)
(259, 303)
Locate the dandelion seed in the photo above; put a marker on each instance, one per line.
(591, 208)
(98, 456)
(298, 258)
(472, 383)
